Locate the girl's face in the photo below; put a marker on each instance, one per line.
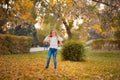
(53, 33)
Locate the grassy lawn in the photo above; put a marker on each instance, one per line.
(98, 66)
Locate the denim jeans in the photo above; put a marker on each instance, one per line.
(52, 51)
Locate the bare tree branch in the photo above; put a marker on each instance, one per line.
(107, 4)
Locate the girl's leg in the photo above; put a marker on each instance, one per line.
(54, 58)
(49, 57)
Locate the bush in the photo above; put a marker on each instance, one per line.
(73, 51)
(117, 34)
(10, 44)
(106, 44)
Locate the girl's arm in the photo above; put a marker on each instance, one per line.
(60, 38)
(47, 39)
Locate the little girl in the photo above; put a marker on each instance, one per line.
(53, 39)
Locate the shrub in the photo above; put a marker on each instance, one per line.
(14, 44)
(3, 45)
(97, 44)
(106, 44)
(117, 34)
(73, 51)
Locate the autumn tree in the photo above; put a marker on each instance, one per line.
(67, 11)
(19, 13)
(109, 17)
(15, 11)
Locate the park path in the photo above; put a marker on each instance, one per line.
(36, 49)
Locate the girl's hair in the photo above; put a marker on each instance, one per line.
(50, 34)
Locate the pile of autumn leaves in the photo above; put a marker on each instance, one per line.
(31, 67)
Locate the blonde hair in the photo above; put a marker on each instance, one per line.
(50, 34)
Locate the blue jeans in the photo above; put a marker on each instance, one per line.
(52, 51)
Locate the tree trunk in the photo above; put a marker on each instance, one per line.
(68, 29)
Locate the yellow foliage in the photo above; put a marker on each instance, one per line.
(27, 16)
(97, 28)
(52, 3)
(32, 67)
(113, 29)
(24, 7)
(69, 2)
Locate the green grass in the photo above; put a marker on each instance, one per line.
(98, 66)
